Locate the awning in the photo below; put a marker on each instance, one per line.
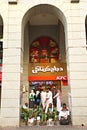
(46, 78)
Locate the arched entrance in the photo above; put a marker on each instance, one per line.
(43, 25)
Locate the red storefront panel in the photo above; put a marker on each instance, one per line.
(46, 78)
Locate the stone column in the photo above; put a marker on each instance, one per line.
(77, 66)
(12, 69)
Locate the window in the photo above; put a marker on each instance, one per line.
(44, 50)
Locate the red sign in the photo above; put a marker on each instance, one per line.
(48, 78)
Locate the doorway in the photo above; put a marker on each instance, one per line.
(44, 49)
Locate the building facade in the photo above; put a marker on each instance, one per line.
(23, 23)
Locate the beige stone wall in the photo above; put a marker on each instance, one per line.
(11, 77)
(64, 90)
(77, 62)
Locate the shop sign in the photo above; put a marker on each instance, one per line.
(47, 78)
(61, 78)
(47, 69)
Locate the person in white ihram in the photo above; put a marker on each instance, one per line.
(48, 99)
(58, 100)
(43, 98)
(64, 112)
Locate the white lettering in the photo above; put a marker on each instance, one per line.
(61, 77)
(46, 69)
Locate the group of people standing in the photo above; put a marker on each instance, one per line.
(46, 106)
(46, 96)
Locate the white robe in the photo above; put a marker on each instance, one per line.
(48, 100)
(58, 105)
(64, 114)
(43, 99)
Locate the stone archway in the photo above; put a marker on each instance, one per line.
(72, 22)
(42, 20)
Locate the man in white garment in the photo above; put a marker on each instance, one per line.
(48, 99)
(64, 115)
(43, 98)
(58, 100)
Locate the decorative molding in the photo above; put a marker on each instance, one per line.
(12, 1)
(75, 1)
